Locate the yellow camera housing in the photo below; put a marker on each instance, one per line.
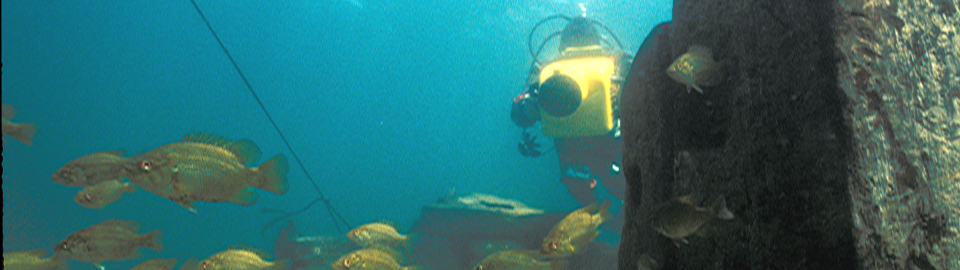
(594, 115)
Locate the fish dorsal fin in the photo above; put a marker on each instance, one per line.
(8, 111)
(384, 249)
(259, 252)
(245, 150)
(387, 222)
(128, 225)
(701, 51)
(589, 209)
(206, 138)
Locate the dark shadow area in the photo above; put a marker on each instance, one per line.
(770, 140)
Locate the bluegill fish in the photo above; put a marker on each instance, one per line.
(204, 167)
(696, 68)
(518, 259)
(240, 259)
(680, 218)
(32, 260)
(109, 240)
(91, 169)
(377, 233)
(22, 132)
(103, 194)
(156, 264)
(575, 230)
(369, 259)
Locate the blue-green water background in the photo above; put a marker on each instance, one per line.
(389, 104)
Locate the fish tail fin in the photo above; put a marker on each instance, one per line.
(604, 213)
(273, 174)
(25, 132)
(154, 240)
(57, 262)
(409, 240)
(244, 197)
(558, 264)
(283, 264)
(720, 208)
(712, 74)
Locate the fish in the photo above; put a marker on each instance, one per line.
(32, 260)
(103, 194)
(377, 233)
(368, 259)
(680, 217)
(92, 169)
(22, 132)
(240, 259)
(310, 252)
(518, 259)
(575, 230)
(482, 249)
(109, 240)
(206, 167)
(156, 264)
(696, 68)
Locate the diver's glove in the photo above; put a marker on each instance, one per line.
(524, 111)
(528, 145)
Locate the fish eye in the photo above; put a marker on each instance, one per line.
(554, 245)
(204, 265)
(87, 196)
(479, 267)
(347, 263)
(146, 165)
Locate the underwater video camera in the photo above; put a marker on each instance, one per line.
(576, 90)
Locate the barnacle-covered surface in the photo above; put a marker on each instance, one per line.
(900, 67)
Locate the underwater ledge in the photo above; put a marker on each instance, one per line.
(834, 137)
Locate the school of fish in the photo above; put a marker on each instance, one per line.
(211, 168)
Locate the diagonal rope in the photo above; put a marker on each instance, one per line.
(337, 218)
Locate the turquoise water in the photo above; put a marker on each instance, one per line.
(389, 105)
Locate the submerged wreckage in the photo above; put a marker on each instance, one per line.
(454, 233)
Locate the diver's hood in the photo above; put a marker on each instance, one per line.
(579, 33)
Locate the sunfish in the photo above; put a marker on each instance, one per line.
(696, 68)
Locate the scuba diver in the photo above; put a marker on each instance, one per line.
(576, 99)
